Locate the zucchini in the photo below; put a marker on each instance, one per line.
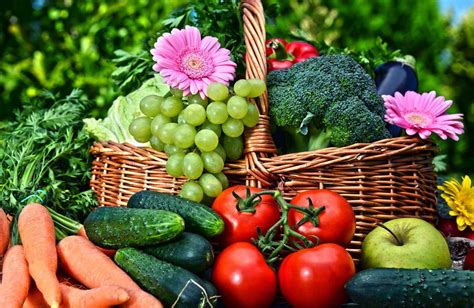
(199, 218)
(389, 287)
(190, 251)
(171, 284)
(116, 227)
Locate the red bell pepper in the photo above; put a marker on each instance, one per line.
(281, 54)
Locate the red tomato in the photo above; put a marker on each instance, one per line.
(470, 235)
(243, 278)
(315, 277)
(336, 221)
(242, 226)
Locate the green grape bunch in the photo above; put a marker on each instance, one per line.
(199, 135)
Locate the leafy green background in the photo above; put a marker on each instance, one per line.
(63, 44)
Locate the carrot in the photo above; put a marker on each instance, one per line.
(16, 278)
(100, 297)
(81, 259)
(108, 252)
(4, 232)
(36, 229)
(35, 299)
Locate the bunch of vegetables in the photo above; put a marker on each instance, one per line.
(262, 230)
(37, 256)
(162, 245)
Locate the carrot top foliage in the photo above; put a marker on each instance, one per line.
(45, 149)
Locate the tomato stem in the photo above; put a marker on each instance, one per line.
(266, 242)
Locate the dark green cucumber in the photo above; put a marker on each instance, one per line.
(199, 218)
(189, 251)
(387, 287)
(117, 227)
(171, 284)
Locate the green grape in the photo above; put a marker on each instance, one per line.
(171, 106)
(192, 191)
(174, 165)
(184, 136)
(176, 92)
(212, 162)
(233, 147)
(257, 87)
(233, 128)
(156, 143)
(140, 128)
(197, 99)
(150, 105)
(242, 88)
(166, 132)
(180, 119)
(223, 179)
(157, 122)
(194, 114)
(171, 149)
(142, 139)
(216, 128)
(251, 118)
(217, 91)
(220, 150)
(211, 186)
(192, 166)
(217, 112)
(237, 107)
(206, 140)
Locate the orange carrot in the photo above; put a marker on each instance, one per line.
(108, 252)
(35, 299)
(4, 232)
(36, 229)
(15, 279)
(81, 259)
(100, 297)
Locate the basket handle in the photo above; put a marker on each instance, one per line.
(258, 141)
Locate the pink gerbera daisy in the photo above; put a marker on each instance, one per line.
(423, 114)
(190, 63)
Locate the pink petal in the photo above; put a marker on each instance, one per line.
(208, 43)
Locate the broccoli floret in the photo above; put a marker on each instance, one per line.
(350, 121)
(333, 94)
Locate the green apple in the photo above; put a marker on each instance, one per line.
(405, 243)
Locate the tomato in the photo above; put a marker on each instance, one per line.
(242, 226)
(315, 277)
(470, 235)
(243, 278)
(336, 221)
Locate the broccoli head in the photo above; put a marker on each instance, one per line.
(350, 121)
(320, 92)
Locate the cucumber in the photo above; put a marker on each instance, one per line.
(199, 218)
(388, 287)
(171, 284)
(116, 227)
(189, 251)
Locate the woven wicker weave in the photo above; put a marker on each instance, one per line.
(382, 180)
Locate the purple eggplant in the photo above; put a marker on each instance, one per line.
(395, 76)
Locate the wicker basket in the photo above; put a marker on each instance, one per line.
(382, 180)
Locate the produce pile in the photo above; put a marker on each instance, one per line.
(217, 244)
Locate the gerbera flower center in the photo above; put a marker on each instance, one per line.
(418, 119)
(196, 64)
